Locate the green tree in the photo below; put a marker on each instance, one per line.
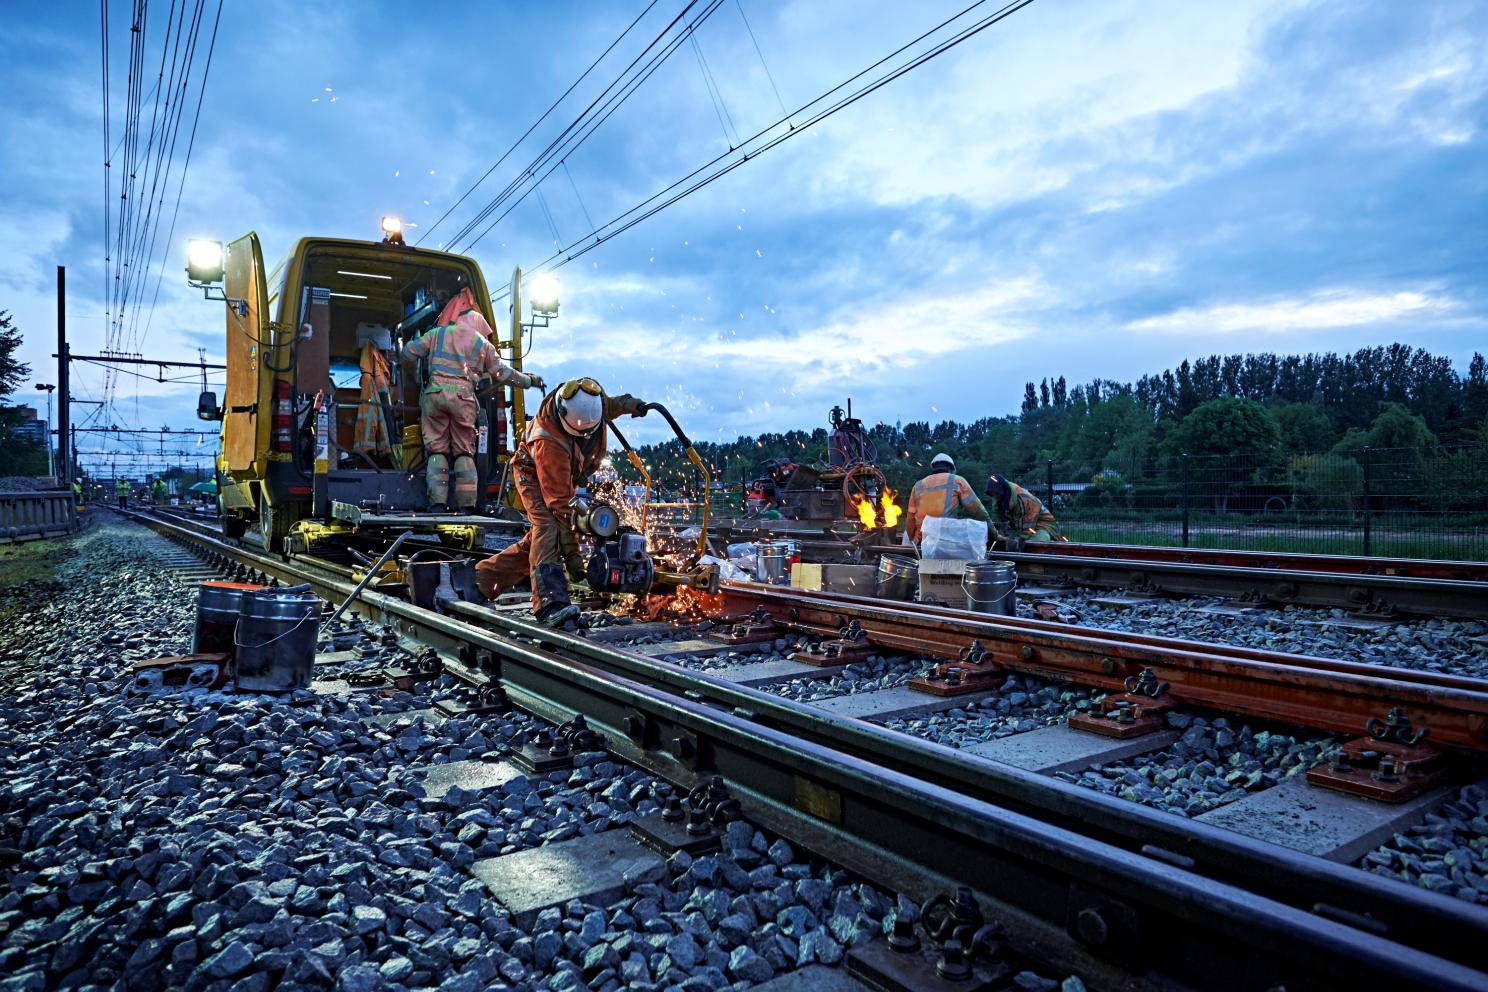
(19, 455)
(1304, 427)
(1238, 429)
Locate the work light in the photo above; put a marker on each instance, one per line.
(543, 289)
(204, 261)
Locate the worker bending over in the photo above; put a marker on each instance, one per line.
(1021, 511)
(457, 351)
(565, 444)
(942, 493)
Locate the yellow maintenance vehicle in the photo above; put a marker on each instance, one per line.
(305, 343)
(297, 342)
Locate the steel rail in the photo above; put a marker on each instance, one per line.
(1415, 676)
(1413, 568)
(1043, 875)
(1381, 594)
(1326, 699)
(1379, 585)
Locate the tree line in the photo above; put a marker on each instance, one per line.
(20, 454)
(1266, 412)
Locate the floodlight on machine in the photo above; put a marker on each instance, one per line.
(206, 268)
(543, 291)
(392, 230)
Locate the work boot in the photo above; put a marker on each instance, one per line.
(555, 615)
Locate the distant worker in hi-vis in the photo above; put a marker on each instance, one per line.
(942, 493)
(457, 351)
(1023, 513)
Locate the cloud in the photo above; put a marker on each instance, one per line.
(1321, 311)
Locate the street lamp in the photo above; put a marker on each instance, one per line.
(48, 388)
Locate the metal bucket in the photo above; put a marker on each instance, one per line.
(217, 607)
(275, 640)
(989, 587)
(898, 578)
(771, 559)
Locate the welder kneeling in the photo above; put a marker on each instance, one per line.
(565, 444)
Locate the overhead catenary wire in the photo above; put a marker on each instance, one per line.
(535, 124)
(564, 146)
(610, 99)
(763, 64)
(701, 177)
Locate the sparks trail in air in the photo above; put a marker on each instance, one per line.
(772, 135)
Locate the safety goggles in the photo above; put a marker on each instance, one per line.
(571, 388)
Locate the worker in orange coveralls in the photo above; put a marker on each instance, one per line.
(565, 444)
(458, 351)
(1021, 511)
(942, 493)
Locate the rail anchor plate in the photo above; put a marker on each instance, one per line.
(1388, 771)
(1124, 715)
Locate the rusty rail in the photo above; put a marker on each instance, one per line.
(1407, 568)
(1336, 696)
(31, 516)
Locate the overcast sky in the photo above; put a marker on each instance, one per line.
(1092, 189)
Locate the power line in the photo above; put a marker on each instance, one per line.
(754, 41)
(607, 97)
(497, 164)
(620, 223)
(185, 166)
(587, 123)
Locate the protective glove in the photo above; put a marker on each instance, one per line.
(573, 562)
(629, 404)
(536, 382)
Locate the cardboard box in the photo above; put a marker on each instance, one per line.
(940, 581)
(854, 580)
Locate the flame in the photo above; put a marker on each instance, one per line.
(891, 510)
(886, 510)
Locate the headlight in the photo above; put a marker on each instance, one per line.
(392, 225)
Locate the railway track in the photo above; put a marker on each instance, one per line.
(1102, 886)
(1368, 587)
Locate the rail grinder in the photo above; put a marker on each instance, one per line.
(621, 563)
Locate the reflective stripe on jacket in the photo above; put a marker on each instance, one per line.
(1026, 512)
(943, 494)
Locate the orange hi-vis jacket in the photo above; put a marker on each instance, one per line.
(1026, 512)
(944, 494)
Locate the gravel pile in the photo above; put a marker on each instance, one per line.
(1447, 852)
(1022, 703)
(242, 843)
(1434, 645)
(869, 675)
(1214, 762)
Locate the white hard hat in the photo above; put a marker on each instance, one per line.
(943, 458)
(580, 405)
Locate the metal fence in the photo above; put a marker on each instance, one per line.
(1390, 502)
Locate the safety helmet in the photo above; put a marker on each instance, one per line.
(580, 405)
(944, 459)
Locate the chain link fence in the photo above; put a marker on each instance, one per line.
(1388, 502)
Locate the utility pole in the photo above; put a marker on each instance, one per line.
(64, 423)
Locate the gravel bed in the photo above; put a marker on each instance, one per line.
(1447, 852)
(1434, 645)
(1022, 703)
(1216, 761)
(869, 675)
(242, 843)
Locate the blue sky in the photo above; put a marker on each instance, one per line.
(1093, 189)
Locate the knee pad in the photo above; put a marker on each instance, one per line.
(436, 477)
(466, 480)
